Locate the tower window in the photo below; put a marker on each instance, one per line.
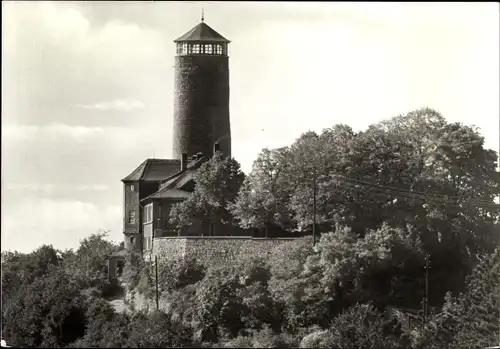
(196, 48)
(218, 49)
(131, 217)
(132, 240)
(208, 49)
(132, 187)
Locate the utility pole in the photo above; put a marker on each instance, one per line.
(156, 277)
(426, 298)
(314, 206)
(427, 266)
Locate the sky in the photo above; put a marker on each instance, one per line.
(87, 90)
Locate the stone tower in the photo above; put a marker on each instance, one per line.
(201, 102)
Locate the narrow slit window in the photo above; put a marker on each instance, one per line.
(131, 217)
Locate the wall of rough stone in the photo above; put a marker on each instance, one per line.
(201, 105)
(217, 250)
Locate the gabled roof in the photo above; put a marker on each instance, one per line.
(202, 32)
(171, 188)
(154, 170)
(169, 193)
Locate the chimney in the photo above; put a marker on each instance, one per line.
(184, 161)
(216, 148)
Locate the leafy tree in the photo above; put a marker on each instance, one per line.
(314, 159)
(179, 273)
(263, 198)
(89, 263)
(472, 319)
(218, 309)
(217, 183)
(48, 312)
(104, 327)
(264, 338)
(156, 330)
(362, 327)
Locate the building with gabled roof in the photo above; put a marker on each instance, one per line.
(201, 127)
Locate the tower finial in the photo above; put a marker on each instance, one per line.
(202, 15)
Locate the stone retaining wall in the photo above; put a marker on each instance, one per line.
(217, 250)
(210, 251)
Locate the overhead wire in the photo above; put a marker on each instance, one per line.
(414, 193)
(375, 188)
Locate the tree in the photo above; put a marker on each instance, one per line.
(217, 183)
(20, 270)
(262, 200)
(315, 159)
(104, 327)
(362, 327)
(89, 263)
(218, 309)
(178, 273)
(157, 330)
(48, 312)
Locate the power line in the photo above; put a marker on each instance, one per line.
(417, 194)
(395, 192)
(406, 190)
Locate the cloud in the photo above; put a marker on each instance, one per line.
(52, 132)
(62, 223)
(117, 138)
(53, 188)
(116, 105)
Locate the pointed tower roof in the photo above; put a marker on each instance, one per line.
(202, 32)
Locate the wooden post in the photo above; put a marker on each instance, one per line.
(156, 277)
(426, 304)
(314, 206)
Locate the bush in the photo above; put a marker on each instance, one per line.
(179, 273)
(157, 330)
(361, 326)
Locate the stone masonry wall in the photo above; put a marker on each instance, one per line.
(214, 251)
(217, 250)
(201, 105)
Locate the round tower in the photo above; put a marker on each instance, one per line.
(201, 102)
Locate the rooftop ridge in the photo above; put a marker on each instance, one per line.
(202, 32)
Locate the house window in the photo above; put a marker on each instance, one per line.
(148, 243)
(132, 187)
(132, 240)
(148, 213)
(131, 217)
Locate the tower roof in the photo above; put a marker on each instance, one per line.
(202, 32)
